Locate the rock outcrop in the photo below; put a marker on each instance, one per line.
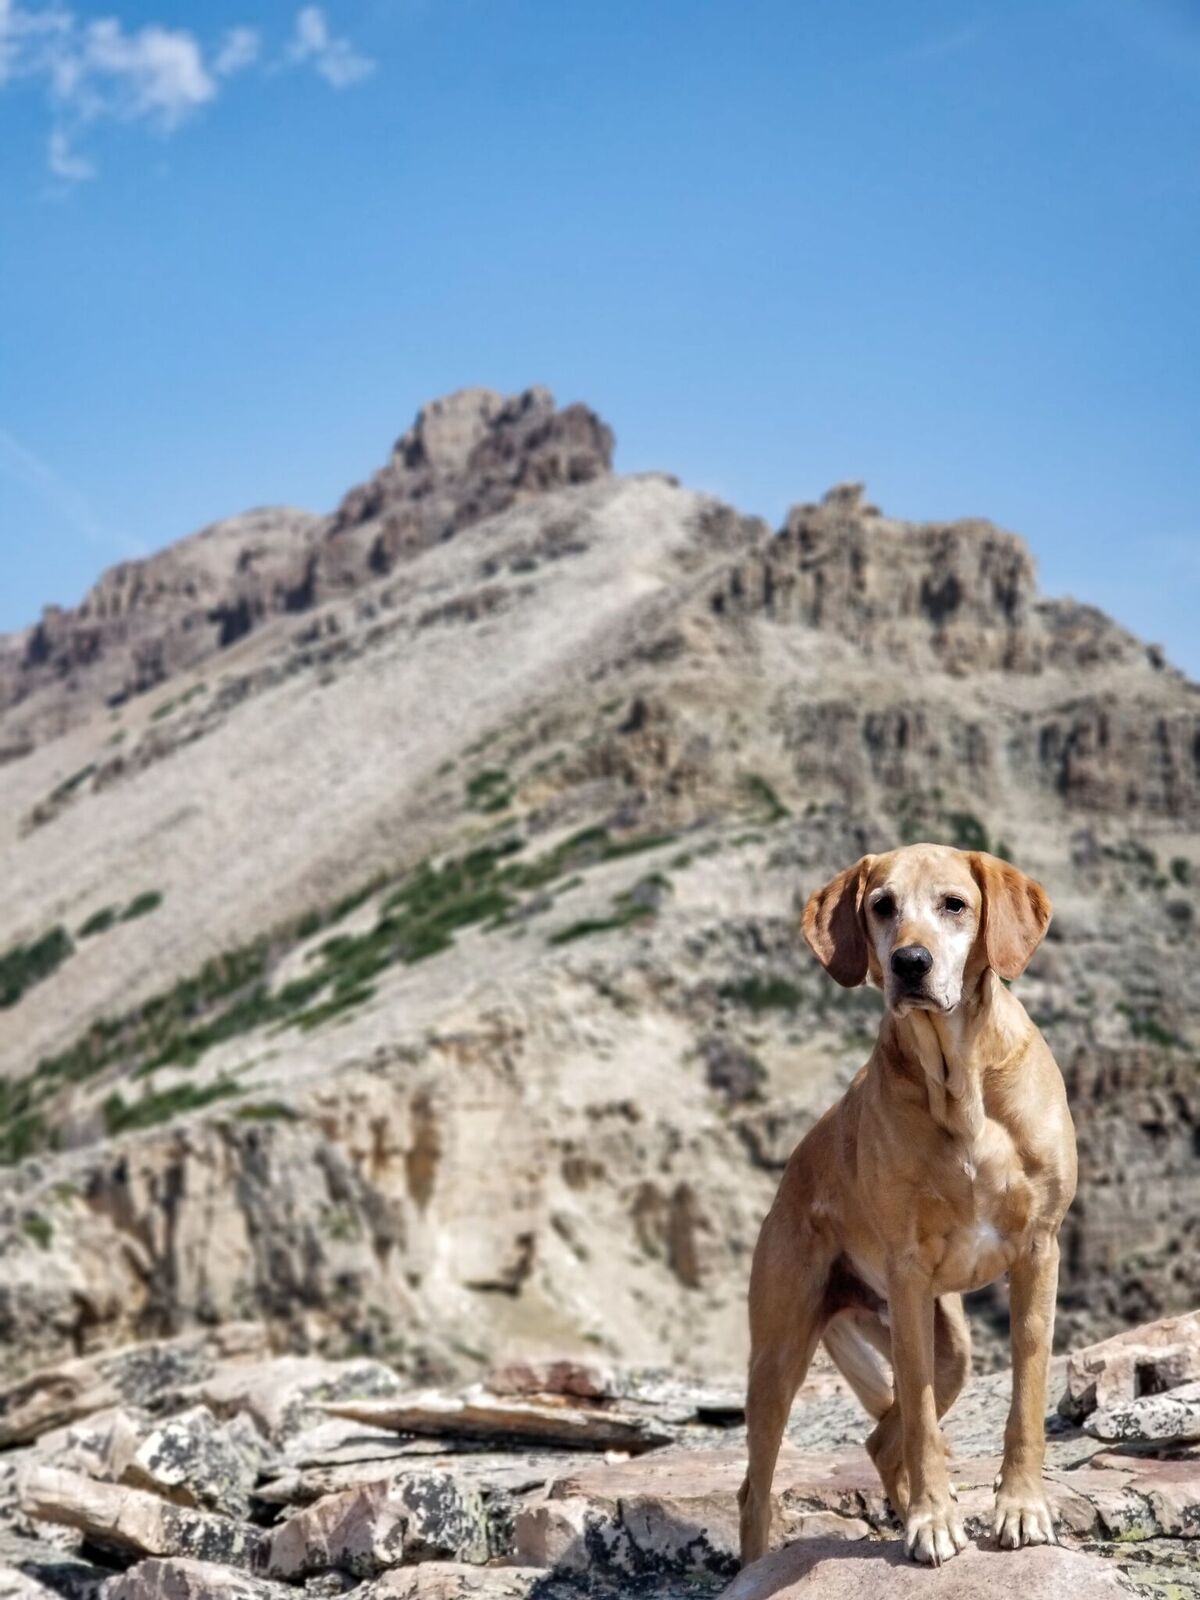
(118, 1507)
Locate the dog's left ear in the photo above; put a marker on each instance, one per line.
(1015, 914)
(833, 925)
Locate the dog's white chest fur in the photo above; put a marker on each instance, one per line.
(977, 1249)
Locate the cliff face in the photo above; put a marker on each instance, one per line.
(400, 936)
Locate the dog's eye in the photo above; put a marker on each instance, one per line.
(885, 906)
(953, 904)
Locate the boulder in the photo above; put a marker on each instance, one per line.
(1169, 1418)
(813, 1569)
(133, 1522)
(197, 1461)
(1146, 1360)
(363, 1530)
(188, 1580)
(360, 1531)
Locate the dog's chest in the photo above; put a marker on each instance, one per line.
(980, 1205)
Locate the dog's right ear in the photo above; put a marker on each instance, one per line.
(833, 925)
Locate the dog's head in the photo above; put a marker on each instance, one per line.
(923, 922)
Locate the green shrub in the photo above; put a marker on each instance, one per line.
(967, 832)
(28, 964)
(769, 993)
(99, 922)
(142, 905)
(39, 1229)
(151, 1109)
(266, 1111)
(763, 795)
(489, 791)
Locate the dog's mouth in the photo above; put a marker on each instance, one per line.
(907, 1000)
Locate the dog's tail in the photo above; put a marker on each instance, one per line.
(861, 1347)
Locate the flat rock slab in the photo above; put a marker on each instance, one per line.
(134, 1521)
(677, 1509)
(189, 1580)
(813, 1569)
(482, 1417)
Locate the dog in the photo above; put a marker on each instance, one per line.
(949, 1161)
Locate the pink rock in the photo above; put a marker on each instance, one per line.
(1146, 1360)
(814, 1569)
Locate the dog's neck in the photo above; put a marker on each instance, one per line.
(952, 1052)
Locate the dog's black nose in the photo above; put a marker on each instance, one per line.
(911, 962)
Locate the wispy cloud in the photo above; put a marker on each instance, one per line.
(937, 46)
(92, 71)
(338, 62)
(239, 49)
(64, 163)
(22, 466)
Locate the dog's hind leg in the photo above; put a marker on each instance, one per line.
(952, 1365)
(787, 1309)
(861, 1350)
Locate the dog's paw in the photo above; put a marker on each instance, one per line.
(1022, 1517)
(933, 1532)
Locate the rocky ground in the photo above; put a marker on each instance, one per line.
(208, 1467)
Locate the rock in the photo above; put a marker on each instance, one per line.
(132, 1521)
(18, 1585)
(422, 1516)
(479, 1417)
(184, 1579)
(286, 1394)
(101, 1446)
(467, 457)
(140, 1374)
(194, 1460)
(1173, 1417)
(360, 1531)
(581, 1379)
(1142, 1361)
(553, 1533)
(448, 1580)
(815, 1568)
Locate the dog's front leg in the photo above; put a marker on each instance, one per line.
(1022, 1514)
(933, 1530)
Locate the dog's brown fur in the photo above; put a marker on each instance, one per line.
(949, 1161)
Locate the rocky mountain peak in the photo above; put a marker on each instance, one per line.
(467, 456)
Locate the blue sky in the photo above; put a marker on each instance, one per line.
(949, 248)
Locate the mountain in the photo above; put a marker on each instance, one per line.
(400, 939)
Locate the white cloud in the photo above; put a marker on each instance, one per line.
(239, 49)
(338, 62)
(98, 70)
(64, 163)
(157, 73)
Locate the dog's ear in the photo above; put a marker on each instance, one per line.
(833, 925)
(1014, 916)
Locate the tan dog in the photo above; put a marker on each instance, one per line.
(949, 1161)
